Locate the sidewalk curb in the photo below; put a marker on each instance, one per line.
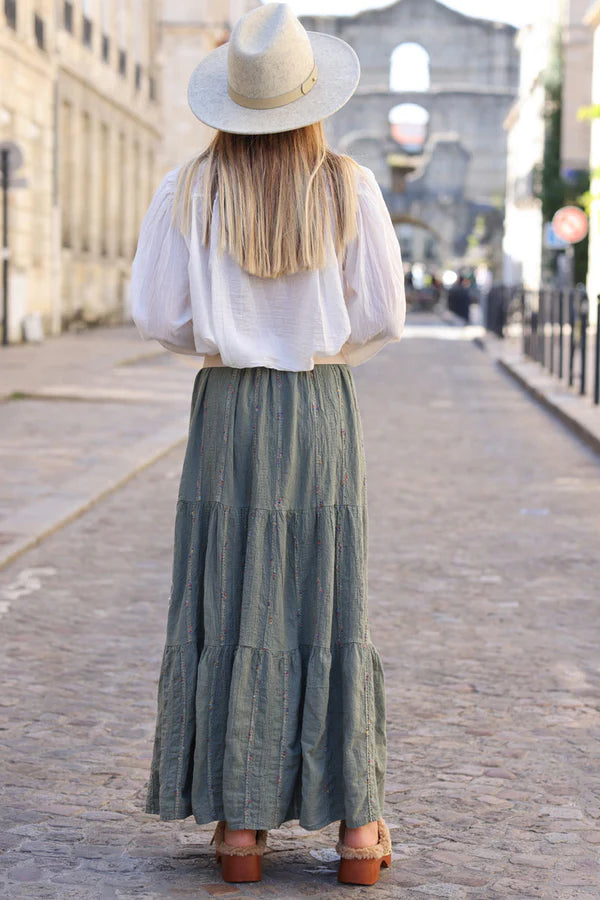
(45, 517)
(570, 408)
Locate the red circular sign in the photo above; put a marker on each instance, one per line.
(570, 223)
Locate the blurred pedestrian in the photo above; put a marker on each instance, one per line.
(265, 255)
(459, 298)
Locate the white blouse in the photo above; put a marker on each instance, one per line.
(194, 300)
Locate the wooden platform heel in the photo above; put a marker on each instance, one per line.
(362, 865)
(239, 864)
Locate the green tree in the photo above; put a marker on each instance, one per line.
(555, 188)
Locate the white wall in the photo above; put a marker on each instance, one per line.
(522, 243)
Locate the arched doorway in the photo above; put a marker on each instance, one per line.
(422, 255)
(419, 242)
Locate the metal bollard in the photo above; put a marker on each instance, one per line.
(560, 332)
(583, 317)
(541, 355)
(597, 360)
(572, 335)
(552, 299)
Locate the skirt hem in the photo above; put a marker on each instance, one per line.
(257, 825)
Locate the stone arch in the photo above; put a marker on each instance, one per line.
(409, 68)
(405, 218)
(419, 240)
(409, 124)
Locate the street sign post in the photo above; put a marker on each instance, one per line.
(570, 224)
(552, 240)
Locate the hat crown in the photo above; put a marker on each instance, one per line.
(269, 52)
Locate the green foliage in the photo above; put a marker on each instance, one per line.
(585, 199)
(589, 112)
(551, 192)
(475, 239)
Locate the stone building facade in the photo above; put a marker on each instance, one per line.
(466, 80)
(80, 100)
(188, 31)
(27, 123)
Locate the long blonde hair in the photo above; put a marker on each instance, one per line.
(276, 194)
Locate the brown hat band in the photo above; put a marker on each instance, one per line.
(280, 100)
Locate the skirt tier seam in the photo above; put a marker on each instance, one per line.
(365, 644)
(275, 509)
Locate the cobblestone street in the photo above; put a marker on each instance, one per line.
(484, 595)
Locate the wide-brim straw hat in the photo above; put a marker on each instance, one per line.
(272, 75)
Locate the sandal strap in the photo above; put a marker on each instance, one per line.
(376, 851)
(226, 849)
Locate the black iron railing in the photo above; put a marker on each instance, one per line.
(555, 331)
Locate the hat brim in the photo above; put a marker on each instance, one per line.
(338, 76)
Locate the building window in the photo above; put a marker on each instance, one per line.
(104, 187)
(65, 149)
(138, 76)
(86, 179)
(409, 68)
(87, 31)
(68, 16)
(123, 62)
(408, 126)
(10, 11)
(122, 238)
(39, 220)
(38, 30)
(152, 88)
(105, 47)
(137, 176)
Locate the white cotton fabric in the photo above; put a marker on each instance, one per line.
(194, 300)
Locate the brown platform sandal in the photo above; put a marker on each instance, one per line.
(239, 863)
(361, 865)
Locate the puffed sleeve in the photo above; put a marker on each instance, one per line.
(373, 277)
(160, 292)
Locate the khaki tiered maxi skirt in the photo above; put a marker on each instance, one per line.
(271, 695)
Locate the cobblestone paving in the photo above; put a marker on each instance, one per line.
(484, 590)
(78, 414)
